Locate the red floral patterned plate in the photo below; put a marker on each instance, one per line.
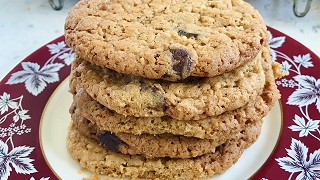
(34, 118)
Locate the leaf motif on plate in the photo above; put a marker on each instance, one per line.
(308, 93)
(304, 127)
(34, 78)
(18, 158)
(296, 161)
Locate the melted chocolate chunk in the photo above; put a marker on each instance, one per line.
(110, 141)
(182, 62)
(188, 35)
(166, 77)
(160, 104)
(164, 106)
(148, 87)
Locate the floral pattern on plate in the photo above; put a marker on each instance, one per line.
(23, 93)
(35, 77)
(26, 89)
(306, 93)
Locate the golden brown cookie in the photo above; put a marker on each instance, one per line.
(209, 128)
(97, 159)
(166, 39)
(150, 146)
(191, 99)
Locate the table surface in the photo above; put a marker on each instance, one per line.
(27, 25)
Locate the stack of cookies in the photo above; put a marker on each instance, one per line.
(167, 88)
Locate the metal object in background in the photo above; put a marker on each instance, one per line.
(306, 9)
(56, 4)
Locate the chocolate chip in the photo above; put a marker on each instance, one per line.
(183, 60)
(109, 140)
(148, 87)
(181, 64)
(188, 35)
(160, 104)
(163, 107)
(166, 77)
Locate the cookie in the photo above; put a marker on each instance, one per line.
(165, 39)
(191, 99)
(210, 128)
(97, 159)
(150, 146)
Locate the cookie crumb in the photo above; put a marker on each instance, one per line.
(93, 177)
(276, 68)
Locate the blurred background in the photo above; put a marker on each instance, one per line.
(26, 25)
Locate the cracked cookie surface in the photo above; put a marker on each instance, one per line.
(166, 39)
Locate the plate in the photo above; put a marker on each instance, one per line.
(34, 118)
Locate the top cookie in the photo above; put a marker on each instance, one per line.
(166, 39)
